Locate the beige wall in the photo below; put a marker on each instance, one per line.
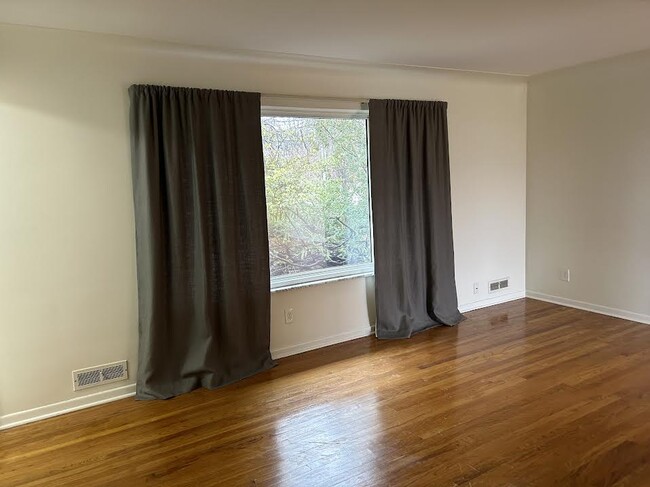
(67, 260)
(589, 185)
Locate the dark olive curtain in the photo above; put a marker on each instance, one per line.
(202, 245)
(415, 285)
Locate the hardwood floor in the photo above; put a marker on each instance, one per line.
(523, 394)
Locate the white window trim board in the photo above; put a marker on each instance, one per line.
(279, 111)
(300, 279)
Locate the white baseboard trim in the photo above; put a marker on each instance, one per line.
(595, 308)
(370, 330)
(484, 303)
(58, 408)
(89, 400)
(63, 407)
(322, 342)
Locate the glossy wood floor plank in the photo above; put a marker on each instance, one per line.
(525, 393)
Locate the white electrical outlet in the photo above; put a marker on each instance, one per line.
(565, 275)
(288, 315)
(476, 288)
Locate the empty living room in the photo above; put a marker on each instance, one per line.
(324, 243)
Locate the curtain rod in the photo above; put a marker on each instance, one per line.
(316, 98)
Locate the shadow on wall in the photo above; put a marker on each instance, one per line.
(370, 300)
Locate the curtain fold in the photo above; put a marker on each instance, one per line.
(412, 227)
(201, 238)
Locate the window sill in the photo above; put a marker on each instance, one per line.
(321, 281)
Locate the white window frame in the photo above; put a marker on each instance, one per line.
(350, 271)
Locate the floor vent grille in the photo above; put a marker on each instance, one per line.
(102, 374)
(498, 284)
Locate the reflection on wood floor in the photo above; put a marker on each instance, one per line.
(524, 393)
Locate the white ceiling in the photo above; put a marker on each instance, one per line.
(504, 36)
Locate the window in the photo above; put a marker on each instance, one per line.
(316, 169)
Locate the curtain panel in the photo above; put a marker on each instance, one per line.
(415, 284)
(201, 238)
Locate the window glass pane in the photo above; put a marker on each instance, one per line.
(316, 192)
